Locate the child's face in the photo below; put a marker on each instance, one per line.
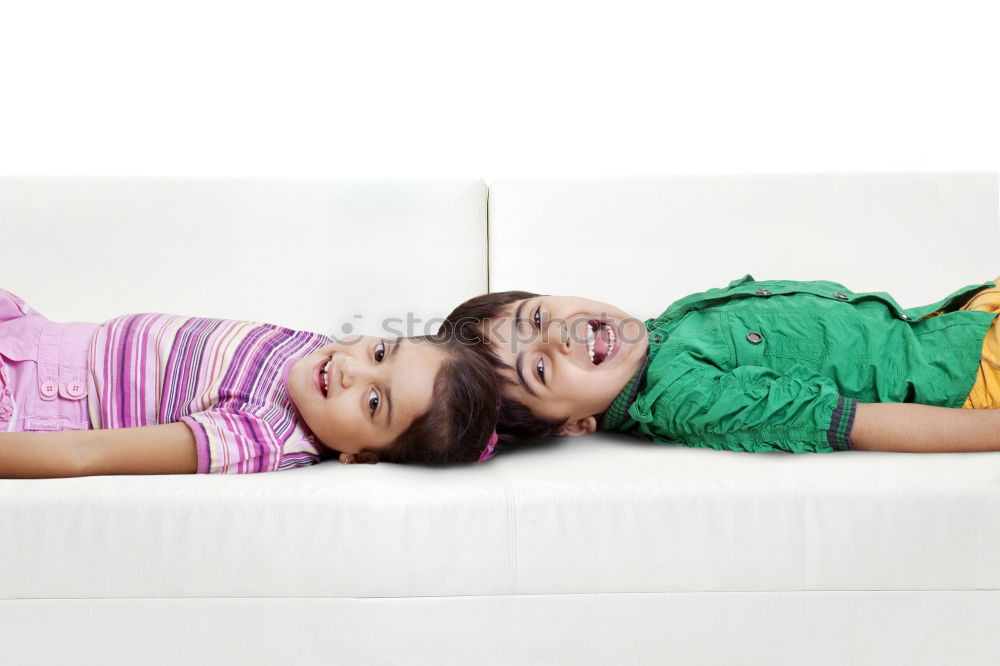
(569, 356)
(374, 390)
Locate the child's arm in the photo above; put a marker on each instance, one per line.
(916, 428)
(158, 449)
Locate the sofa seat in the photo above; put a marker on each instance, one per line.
(604, 514)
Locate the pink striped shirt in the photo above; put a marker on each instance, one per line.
(225, 379)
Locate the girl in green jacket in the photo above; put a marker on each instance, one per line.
(755, 366)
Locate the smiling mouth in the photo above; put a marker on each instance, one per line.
(601, 341)
(324, 377)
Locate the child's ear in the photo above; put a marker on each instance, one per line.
(583, 426)
(360, 458)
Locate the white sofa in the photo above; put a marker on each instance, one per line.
(600, 550)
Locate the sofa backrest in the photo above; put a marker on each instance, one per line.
(393, 256)
(308, 254)
(641, 243)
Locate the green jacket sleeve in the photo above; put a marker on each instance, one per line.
(749, 408)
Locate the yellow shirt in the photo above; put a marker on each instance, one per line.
(985, 393)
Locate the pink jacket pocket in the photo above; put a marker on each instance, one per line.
(50, 385)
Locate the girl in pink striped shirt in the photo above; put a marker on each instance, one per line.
(155, 393)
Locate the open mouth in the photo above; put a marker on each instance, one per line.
(601, 340)
(323, 377)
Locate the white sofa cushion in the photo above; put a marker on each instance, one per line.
(641, 243)
(605, 514)
(307, 254)
(680, 629)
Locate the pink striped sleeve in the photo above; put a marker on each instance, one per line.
(233, 442)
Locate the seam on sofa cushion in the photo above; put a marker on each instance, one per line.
(511, 538)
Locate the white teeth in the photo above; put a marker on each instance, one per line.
(591, 336)
(326, 376)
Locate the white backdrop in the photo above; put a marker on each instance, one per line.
(511, 88)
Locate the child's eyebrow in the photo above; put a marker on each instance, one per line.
(520, 357)
(388, 388)
(517, 312)
(520, 375)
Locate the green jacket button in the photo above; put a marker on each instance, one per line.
(764, 292)
(754, 338)
(839, 295)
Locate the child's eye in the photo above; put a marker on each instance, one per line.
(538, 319)
(540, 368)
(380, 352)
(373, 400)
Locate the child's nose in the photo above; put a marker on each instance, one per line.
(557, 337)
(350, 370)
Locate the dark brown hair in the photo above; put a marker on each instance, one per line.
(462, 413)
(468, 324)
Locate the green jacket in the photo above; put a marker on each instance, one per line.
(781, 365)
